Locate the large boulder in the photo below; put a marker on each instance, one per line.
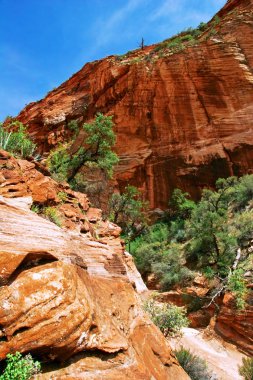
(71, 300)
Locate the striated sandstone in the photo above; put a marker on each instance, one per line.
(181, 120)
(69, 295)
(67, 298)
(235, 326)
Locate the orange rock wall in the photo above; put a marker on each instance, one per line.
(182, 120)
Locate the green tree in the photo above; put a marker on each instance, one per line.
(15, 139)
(243, 192)
(99, 141)
(208, 228)
(180, 205)
(212, 235)
(128, 210)
(96, 149)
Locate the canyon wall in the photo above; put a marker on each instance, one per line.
(182, 119)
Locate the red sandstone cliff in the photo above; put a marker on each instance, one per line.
(68, 294)
(182, 119)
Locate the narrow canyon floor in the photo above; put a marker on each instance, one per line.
(223, 358)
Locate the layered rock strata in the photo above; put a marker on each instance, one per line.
(182, 119)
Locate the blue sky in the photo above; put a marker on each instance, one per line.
(43, 42)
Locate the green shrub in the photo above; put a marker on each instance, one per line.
(20, 368)
(73, 126)
(202, 26)
(176, 44)
(58, 162)
(237, 285)
(62, 196)
(35, 208)
(15, 139)
(216, 20)
(4, 138)
(53, 215)
(187, 37)
(246, 369)
(193, 365)
(153, 253)
(169, 318)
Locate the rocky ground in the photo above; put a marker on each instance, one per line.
(222, 358)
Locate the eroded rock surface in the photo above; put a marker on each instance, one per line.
(235, 326)
(182, 120)
(69, 296)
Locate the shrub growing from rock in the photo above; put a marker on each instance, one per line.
(246, 369)
(53, 215)
(193, 365)
(169, 318)
(20, 368)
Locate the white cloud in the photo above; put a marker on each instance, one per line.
(196, 17)
(108, 28)
(168, 7)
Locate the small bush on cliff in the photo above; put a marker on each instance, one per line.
(193, 365)
(73, 126)
(20, 368)
(169, 318)
(59, 162)
(246, 369)
(53, 215)
(237, 285)
(15, 139)
(62, 196)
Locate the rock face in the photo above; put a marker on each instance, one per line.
(182, 119)
(67, 295)
(236, 327)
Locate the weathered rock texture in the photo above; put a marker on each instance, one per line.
(182, 120)
(68, 294)
(236, 327)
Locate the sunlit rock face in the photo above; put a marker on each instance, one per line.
(235, 326)
(182, 120)
(70, 295)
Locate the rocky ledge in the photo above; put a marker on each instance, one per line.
(68, 295)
